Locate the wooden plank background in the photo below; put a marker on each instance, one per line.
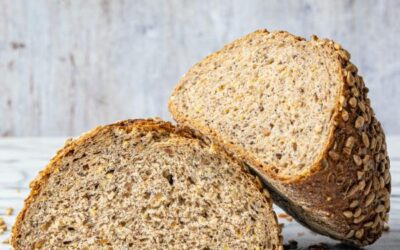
(66, 66)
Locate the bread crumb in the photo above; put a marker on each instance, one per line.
(285, 216)
(6, 241)
(3, 226)
(300, 234)
(9, 211)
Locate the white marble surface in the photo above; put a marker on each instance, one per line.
(22, 158)
(67, 66)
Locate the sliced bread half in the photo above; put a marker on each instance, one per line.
(298, 113)
(144, 184)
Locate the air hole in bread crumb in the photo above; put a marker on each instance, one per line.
(169, 177)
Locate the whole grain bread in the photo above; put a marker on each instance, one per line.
(144, 184)
(297, 113)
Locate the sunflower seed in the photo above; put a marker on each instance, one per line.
(357, 160)
(350, 234)
(377, 221)
(361, 105)
(380, 208)
(355, 91)
(357, 212)
(370, 198)
(381, 182)
(354, 204)
(386, 176)
(373, 143)
(334, 156)
(347, 151)
(352, 68)
(361, 185)
(359, 219)
(349, 142)
(365, 139)
(359, 122)
(375, 182)
(368, 188)
(368, 224)
(348, 214)
(353, 102)
(360, 233)
(353, 190)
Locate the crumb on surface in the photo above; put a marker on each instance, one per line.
(285, 216)
(3, 226)
(9, 211)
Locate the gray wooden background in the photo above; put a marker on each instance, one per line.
(66, 66)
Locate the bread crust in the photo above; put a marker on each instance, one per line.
(144, 124)
(345, 194)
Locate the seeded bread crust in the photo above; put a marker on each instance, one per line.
(345, 194)
(146, 125)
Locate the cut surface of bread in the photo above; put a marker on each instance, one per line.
(144, 184)
(297, 112)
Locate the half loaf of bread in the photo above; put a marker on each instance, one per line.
(298, 113)
(144, 184)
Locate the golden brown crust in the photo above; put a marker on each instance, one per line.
(345, 194)
(143, 124)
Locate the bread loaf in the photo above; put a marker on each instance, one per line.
(297, 112)
(144, 184)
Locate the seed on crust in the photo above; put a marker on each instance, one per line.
(386, 176)
(357, 212)
(361, 105)
(350, 234)
(368, 224)
(370, 198)
(380, 208)
(345, 115)
(381, 182)
(355, 91)
(361, 185)
(348, 214)
(353, 190)
(354, 204)
(344, 54)
(314, 38)
(360, 174)
(350, 142)
(359, 122)
(365, 139)
(350, 79)
(359, 219)
(353, 102)
(377, 221)
(335, 156)
(357, 160)
(347, 151)
(359, 233)
(351, 67)
(368, 188)
(373, 143)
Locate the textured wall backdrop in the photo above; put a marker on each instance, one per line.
(66, 66)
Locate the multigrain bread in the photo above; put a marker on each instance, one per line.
(297, 112)
(144, 184)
